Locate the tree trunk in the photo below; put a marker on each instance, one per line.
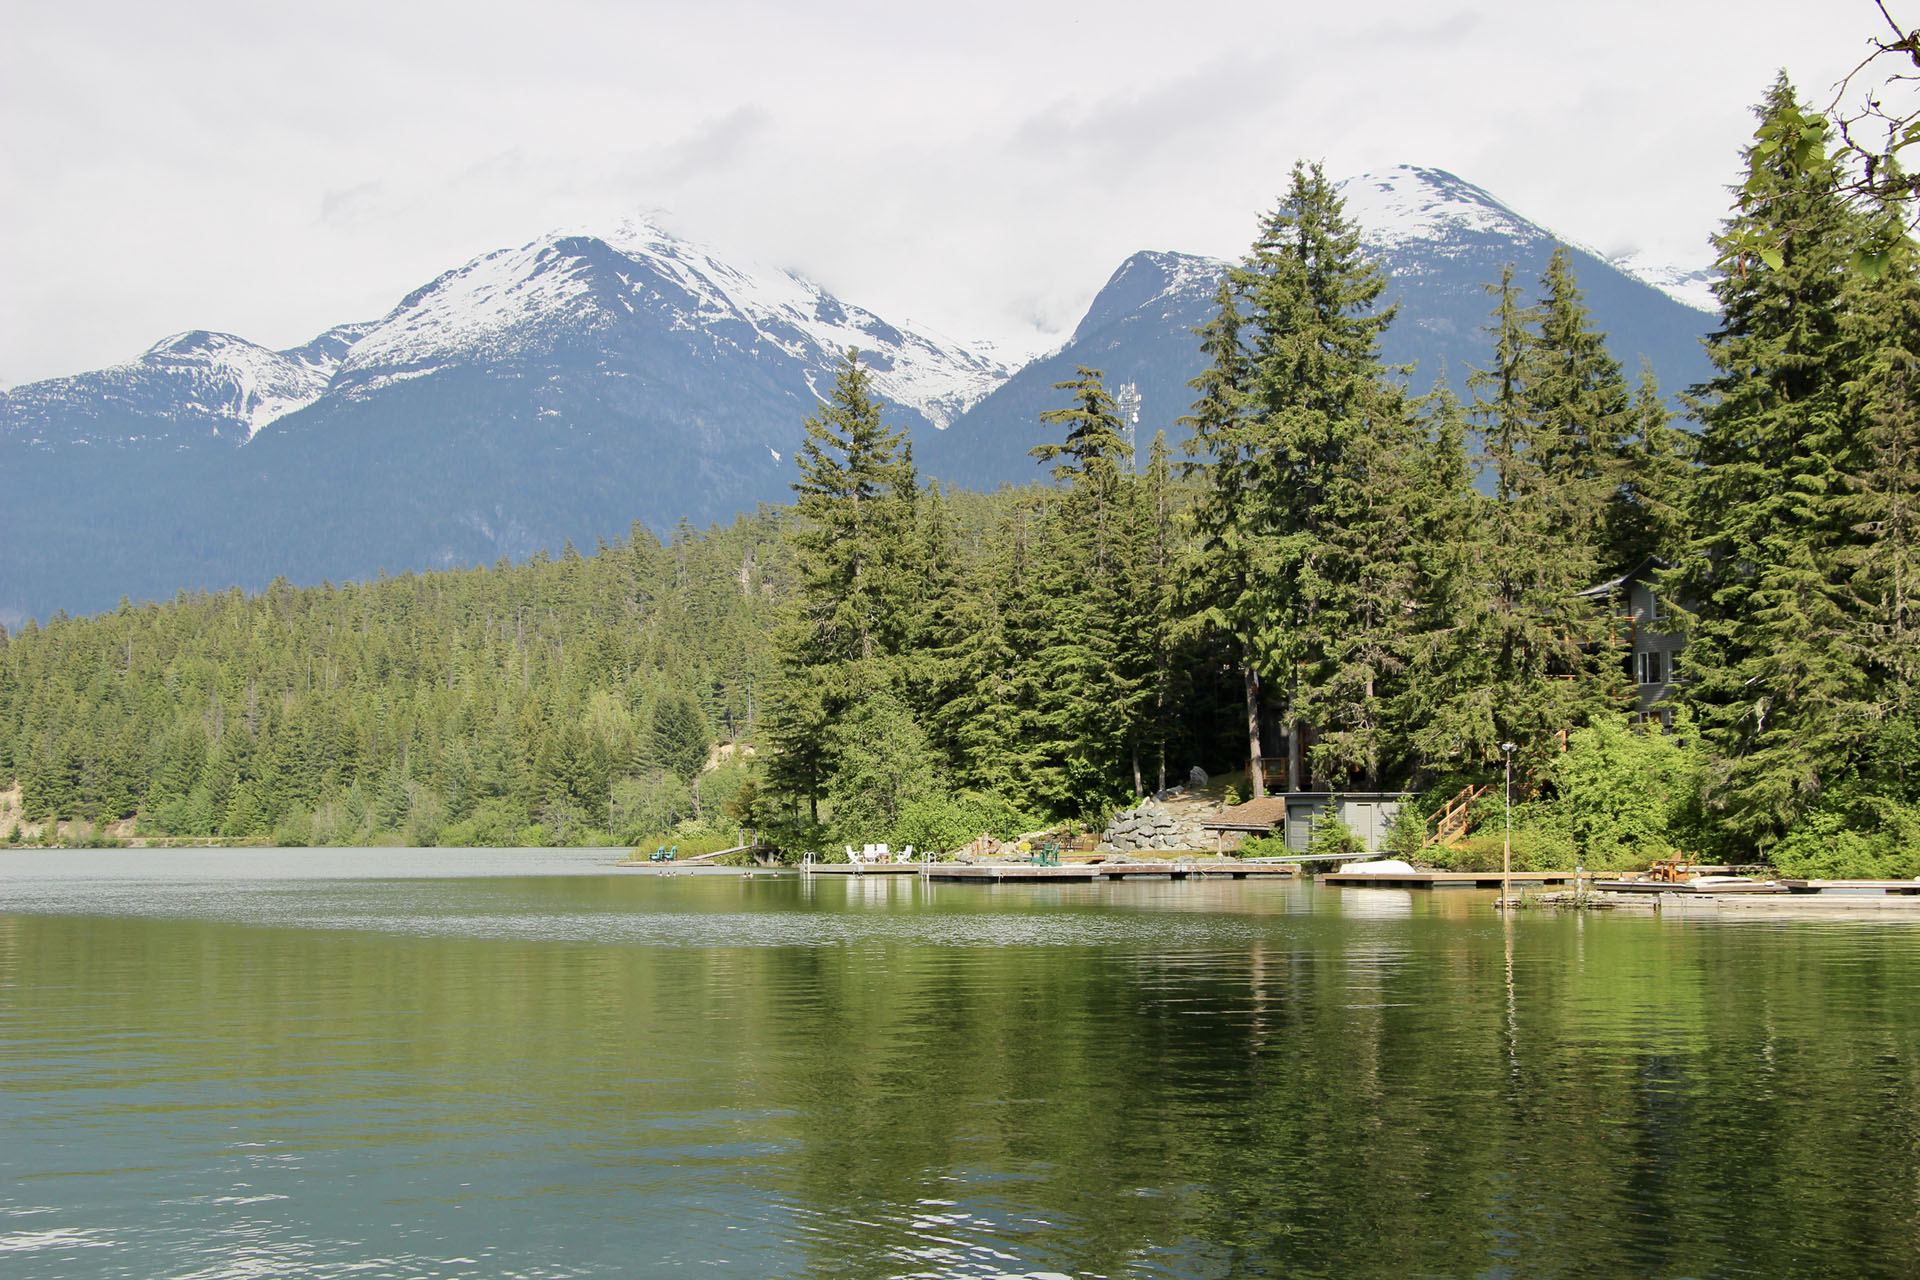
(1256, 773)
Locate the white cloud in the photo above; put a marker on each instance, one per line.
(977, 168)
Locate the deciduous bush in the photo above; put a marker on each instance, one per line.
(1880, 841)
(946, 821)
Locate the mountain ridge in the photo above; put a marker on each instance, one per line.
(567, 387)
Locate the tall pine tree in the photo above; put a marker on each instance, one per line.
(854, 523)
(1283, 421)
(1780, 698)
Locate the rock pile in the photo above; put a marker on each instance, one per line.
(1151, 826)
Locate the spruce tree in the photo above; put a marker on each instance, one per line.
(1646, 514)
(1444, 713)
(1286, 411)
(1153, 607)
(853, 503)
(1097, 647)
(847, 612)
(1224, 582)
(996, 720)
(1579, 415)
(1545, 653)
(1781, 700)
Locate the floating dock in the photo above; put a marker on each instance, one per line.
(1688, 887)
(1823, 888)
(1446, 879)
(1073, 873)
(1855, 888)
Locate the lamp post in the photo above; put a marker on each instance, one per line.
(1506, 846)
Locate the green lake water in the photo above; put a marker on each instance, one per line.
(425, 1063)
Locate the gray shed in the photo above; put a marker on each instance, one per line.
(1367, 813)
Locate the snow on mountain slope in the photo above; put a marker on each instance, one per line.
(224, 385)
(1408, 203)
(1150, 283)
(1405, 206)
(568, 285)
(1693, 287)
(939, 376)
(235, 378)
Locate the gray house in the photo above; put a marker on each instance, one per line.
(1656, 643)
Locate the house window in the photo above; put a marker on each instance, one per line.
(1649, 663)
(1654, 611)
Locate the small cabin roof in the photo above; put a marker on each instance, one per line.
(1638, 571)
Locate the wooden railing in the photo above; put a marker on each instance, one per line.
(1454, 818)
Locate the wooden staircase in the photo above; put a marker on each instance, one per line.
(1453, 819)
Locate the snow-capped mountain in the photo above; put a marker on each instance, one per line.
(586, 382)
(1441, 239)
(1692, 286)
(1409, 205)
(185, 390)
(1407, 210)
(531, 301)
(1139, 329)
(563, 389)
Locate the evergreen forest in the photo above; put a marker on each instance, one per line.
(1325, 575)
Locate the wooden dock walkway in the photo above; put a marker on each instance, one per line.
(1445, 879)
(1849, 888)
(1072, 873)
(692, 859)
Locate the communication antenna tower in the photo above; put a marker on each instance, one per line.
(1126, 399)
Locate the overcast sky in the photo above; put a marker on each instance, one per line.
(980, 169)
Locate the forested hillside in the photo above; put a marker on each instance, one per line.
(463, 707)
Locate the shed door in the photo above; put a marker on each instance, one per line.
(1299, 826)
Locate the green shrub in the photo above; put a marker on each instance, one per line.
(716, 791)
(884, 765)
(1533, 850)
(1624, 792)
(294, 831)
(490, 826)
(1406, 835)
(946, 821)
(1330, 835)
(1264, 847)
(1876, 838)
(792, 836)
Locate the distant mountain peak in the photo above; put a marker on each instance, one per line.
(1147, 283)
(1693, 286)
(188, 387)
(579, 281)
(1409, 205)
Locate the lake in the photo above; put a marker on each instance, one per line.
(435, 1063)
